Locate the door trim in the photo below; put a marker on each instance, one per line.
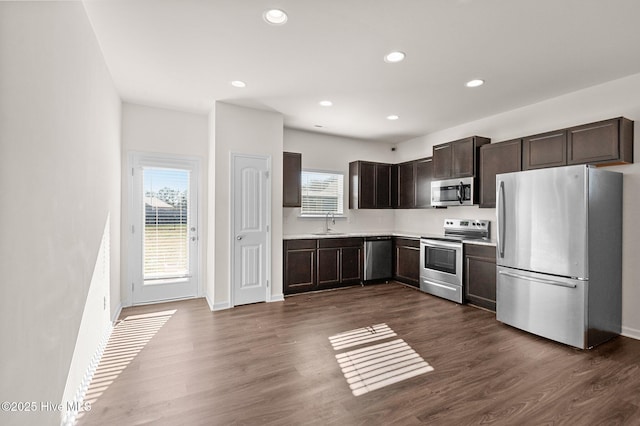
(232, 240)
(164, 159)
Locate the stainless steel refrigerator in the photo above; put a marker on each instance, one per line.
(559, 253)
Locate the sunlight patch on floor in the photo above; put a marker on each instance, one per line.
(361, 336)
(128, 338)
(373, 367)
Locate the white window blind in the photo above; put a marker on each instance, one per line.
(166, 227)
(322, 193)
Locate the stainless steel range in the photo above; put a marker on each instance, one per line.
(441, 257)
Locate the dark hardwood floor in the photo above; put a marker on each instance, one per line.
(272, 364)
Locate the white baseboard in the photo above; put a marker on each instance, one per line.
(209, 302)
(72, 408)
(221, 306)
(630, 332)
(116, 315)
(277, 298)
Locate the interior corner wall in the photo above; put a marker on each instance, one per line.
(211, 203)
(60, 215)
(333, 154)
(247, 131)
(601, 102)
(166, 132)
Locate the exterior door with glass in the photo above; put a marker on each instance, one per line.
(164, 228)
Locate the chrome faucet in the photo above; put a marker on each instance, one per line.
(326, 222)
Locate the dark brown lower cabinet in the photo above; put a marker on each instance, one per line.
(351, 264)
(406, 261)
(480, 275)
(340, 261)
(299, 266)
(328, 267)
(322, 264)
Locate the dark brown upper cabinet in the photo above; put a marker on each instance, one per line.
(458, 158)
(383, 186)
(544, 150)
(404, 188)
(291, 179)
(411, 184)
(369, 185)
(423, 178)
(442, 168)
(496, 158)
(602, 143)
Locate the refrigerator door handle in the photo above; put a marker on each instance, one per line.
(501, 224)
(538, 280)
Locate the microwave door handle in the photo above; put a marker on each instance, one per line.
(501, 218)
(460, 189)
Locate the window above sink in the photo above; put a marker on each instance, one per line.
(322, 193)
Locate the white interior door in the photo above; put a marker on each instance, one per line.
(164, 231)
(250, 226)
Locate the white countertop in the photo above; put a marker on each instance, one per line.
(349, 235)
(373, 234)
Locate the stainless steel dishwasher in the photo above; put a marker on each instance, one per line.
(377, 258)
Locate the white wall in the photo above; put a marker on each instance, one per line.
(613, 99)
(60, 215)
(163, 131)
(334, 153)
(248, 131)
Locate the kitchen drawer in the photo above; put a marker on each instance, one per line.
(340, 242)
(406, 242)
(300, 244)
(478, 250)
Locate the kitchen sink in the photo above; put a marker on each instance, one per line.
(328, 233)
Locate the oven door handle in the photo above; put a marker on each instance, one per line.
(442, 244)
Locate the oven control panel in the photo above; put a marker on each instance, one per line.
(469, 227)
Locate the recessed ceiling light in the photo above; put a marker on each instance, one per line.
(238, 83)
(474, 83)
(394, 57)
(325, 103)
(275, 16)
(392, 117)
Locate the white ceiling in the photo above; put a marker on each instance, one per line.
(183, 54)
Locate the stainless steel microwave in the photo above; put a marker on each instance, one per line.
(452, 192)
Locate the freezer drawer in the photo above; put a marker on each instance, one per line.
(549, 306)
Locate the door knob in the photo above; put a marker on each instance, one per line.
(239, 237)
